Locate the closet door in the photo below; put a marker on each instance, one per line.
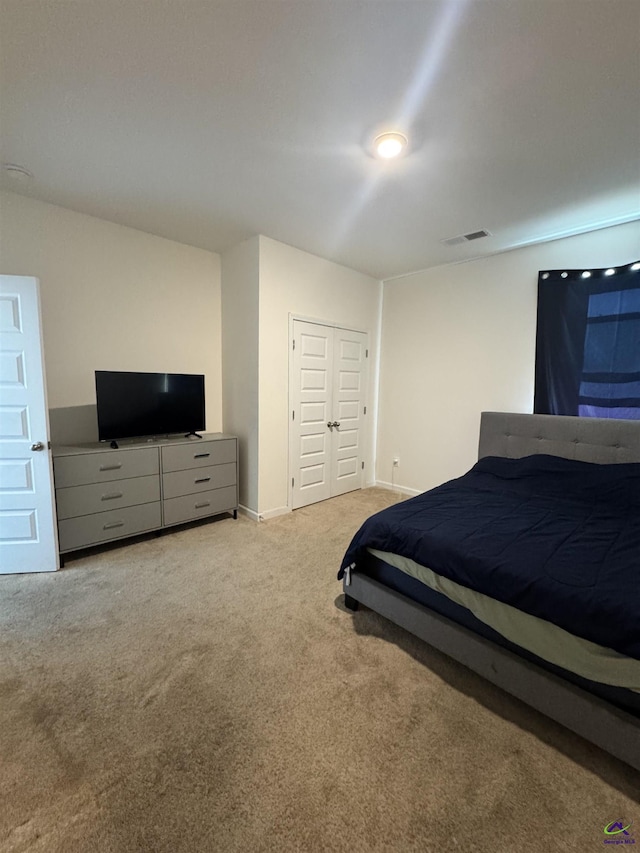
(349, 384)
(327, 387)
(311, 397)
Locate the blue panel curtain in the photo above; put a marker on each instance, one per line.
(588, 343)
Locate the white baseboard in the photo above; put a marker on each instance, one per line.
(263, 516)
(273, 513)
(266, 515)
(394, 487)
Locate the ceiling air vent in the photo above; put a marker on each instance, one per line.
(466, 238)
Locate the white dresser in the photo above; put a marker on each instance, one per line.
(103, 494)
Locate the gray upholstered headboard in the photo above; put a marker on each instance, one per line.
(601, 440)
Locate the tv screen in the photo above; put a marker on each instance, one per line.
(137, 404)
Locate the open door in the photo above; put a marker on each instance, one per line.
(28, 539)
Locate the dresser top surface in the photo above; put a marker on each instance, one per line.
(135, 444)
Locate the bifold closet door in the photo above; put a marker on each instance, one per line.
(328, 383)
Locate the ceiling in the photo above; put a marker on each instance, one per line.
(209, 122)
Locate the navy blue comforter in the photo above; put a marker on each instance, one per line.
(556, 538)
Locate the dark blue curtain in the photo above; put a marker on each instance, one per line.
(588, 343)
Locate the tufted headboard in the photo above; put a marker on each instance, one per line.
(601, 440)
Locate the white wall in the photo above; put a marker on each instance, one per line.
(456, 340)
(460, 339)
(295, 282)
(240, 303)
(114, 299)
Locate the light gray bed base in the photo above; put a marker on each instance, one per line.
(516, 435)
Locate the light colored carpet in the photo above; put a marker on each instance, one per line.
(207, 691)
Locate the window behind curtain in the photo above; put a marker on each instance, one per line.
(588, 343)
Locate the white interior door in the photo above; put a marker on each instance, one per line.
(327, 383)
(349, 386)
(311, 413)
(28, 541)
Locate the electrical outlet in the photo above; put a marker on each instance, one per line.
(396, 461)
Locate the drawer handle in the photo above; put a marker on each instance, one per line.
(113, 496)
(113, 467)
(203, 505)
(113, 524)
(201, 455)
(202, 480)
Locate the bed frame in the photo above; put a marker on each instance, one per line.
(513, 436)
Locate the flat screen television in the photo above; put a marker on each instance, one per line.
(143, 404)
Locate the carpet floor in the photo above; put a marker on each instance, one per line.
(206, 690)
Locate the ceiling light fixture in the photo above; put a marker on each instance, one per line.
(389, 145)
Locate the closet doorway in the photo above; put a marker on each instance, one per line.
(327, 388)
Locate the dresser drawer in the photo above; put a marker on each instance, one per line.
(93, 529)
(99, 497)
(198, 480)
(197, 506)
(104, 467)
(197, 454)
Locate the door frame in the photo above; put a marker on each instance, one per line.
(290, 456)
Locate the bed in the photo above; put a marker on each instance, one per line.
(526, 569)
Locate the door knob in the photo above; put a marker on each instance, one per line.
(330, 424)
(37, 446)
(336, 424)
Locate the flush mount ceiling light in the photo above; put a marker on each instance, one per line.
(16, 171)
(389, 145)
